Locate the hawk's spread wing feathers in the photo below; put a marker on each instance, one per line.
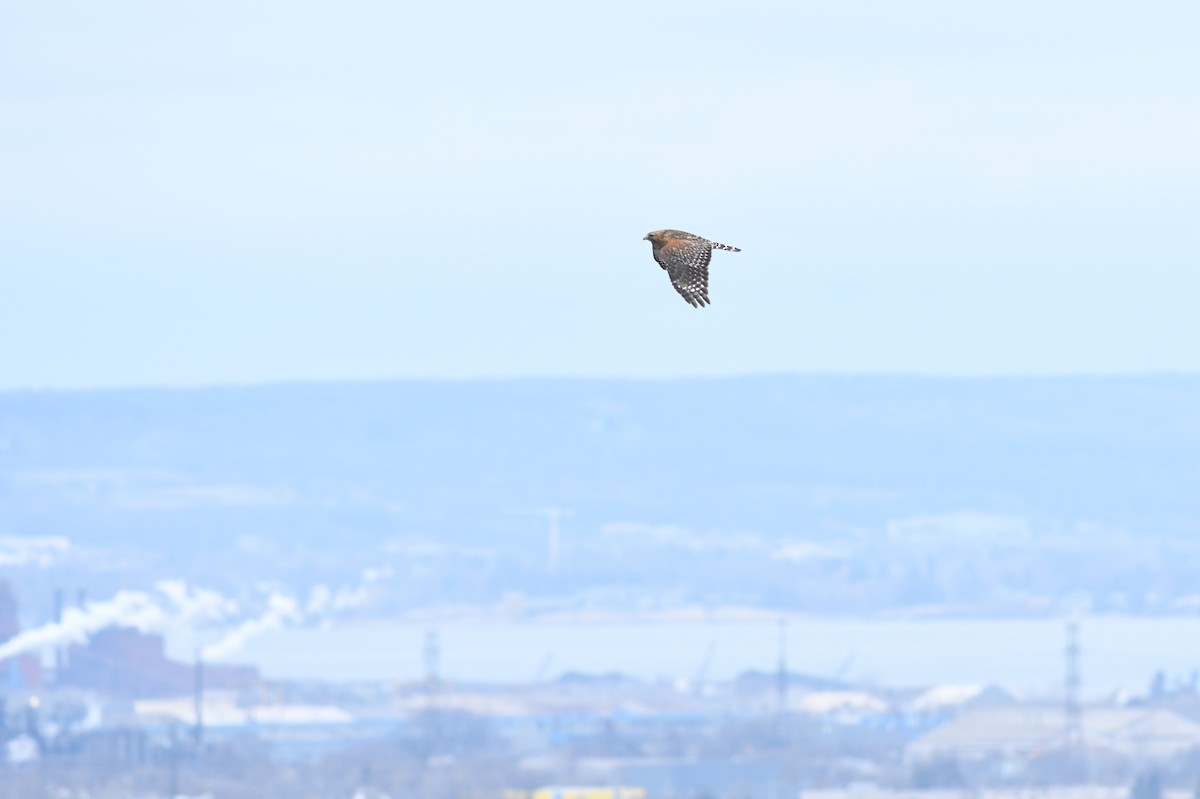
(686, 262)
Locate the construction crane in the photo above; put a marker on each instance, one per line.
(553, 517)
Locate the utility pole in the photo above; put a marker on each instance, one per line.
(198, 698)
(173, 762)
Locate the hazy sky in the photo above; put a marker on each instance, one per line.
(229, 192)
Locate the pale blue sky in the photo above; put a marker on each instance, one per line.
(214, 192)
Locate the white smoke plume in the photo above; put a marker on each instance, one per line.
(323, 599)
(127, 608)
(196, 605)
(176, 605)
(284, 610)
(281, 610)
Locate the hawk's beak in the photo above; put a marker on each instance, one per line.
(646, 238)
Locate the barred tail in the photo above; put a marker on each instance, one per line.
(725, 247)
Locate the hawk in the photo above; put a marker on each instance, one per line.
(685, 256)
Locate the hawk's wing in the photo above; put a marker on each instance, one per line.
(686, 263)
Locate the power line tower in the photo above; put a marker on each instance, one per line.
(431, 718)
(1072, 709)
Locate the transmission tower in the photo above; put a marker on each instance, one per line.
(1072, 709)
(431, 718)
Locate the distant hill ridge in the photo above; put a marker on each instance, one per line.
(751, 450)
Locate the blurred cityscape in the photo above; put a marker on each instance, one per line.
(115, 716)
(132, 521)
